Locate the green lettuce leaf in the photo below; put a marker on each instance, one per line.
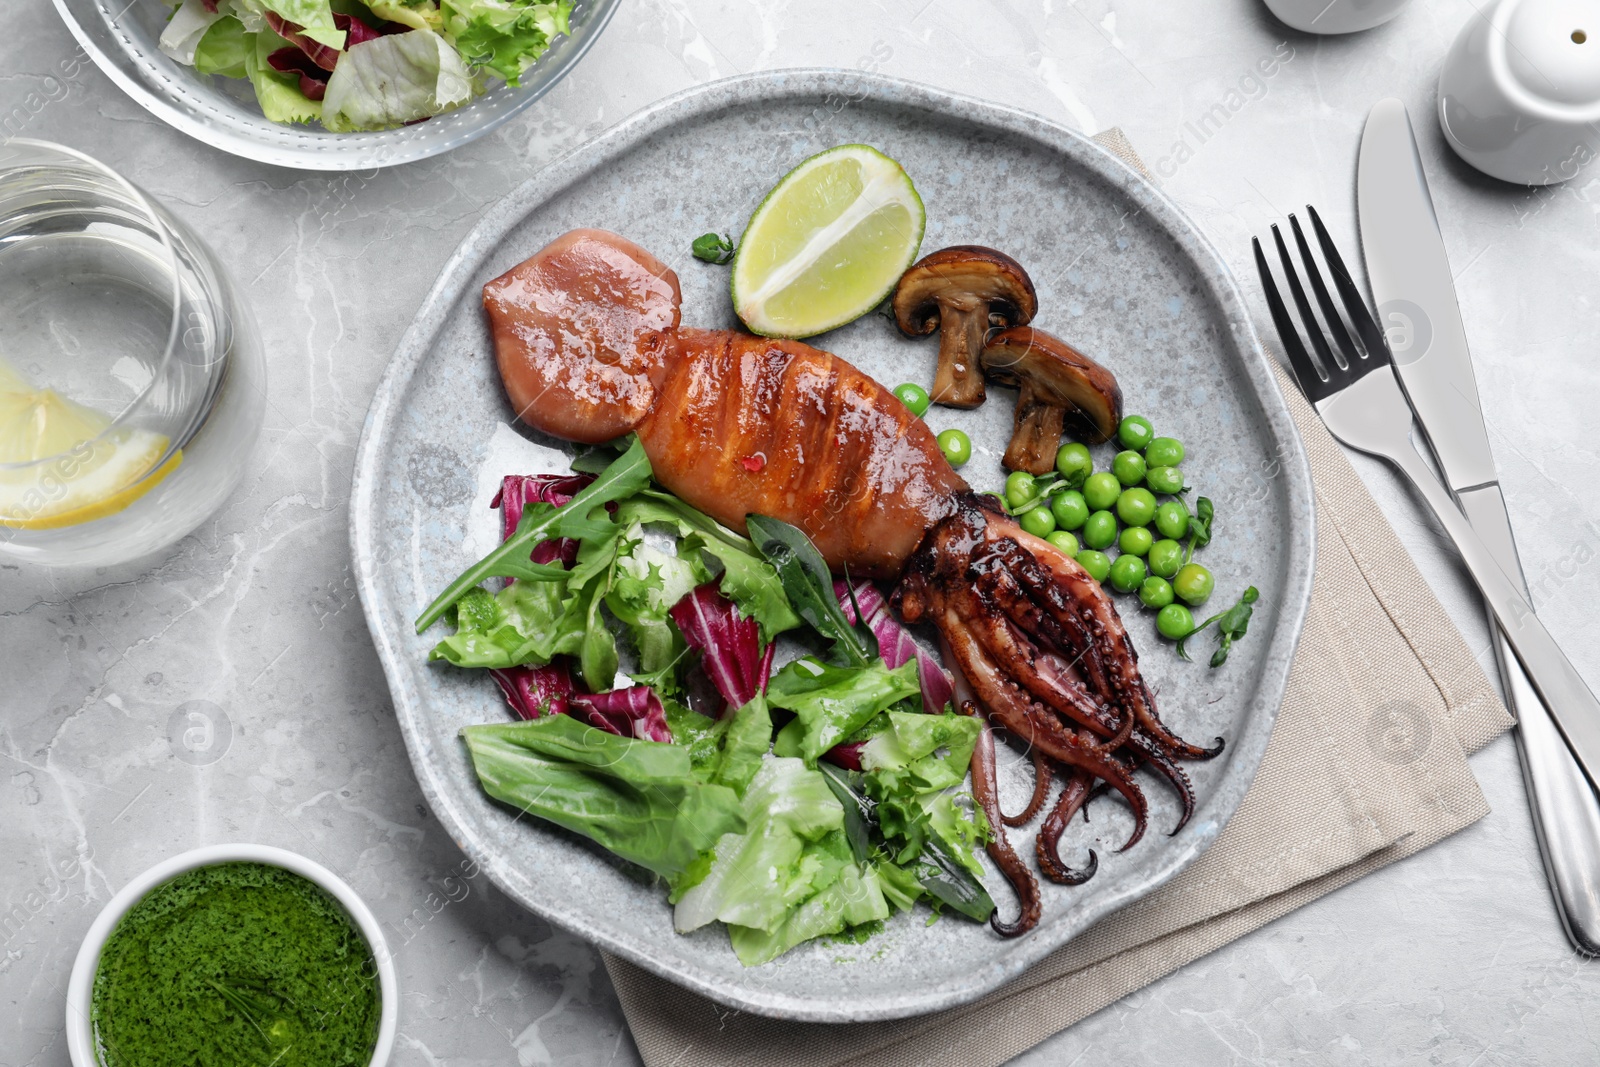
(636, 798)
(505, 36)
(395, 79)
(645, 586)
(792, 848)
(186, 29)
(831, 703)
(725, 751)
(418, 14)
(225, 49)
(278, 94)
(855, 897)
(314, 17)
(931, 752)
(747, 578)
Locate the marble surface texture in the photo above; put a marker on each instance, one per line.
(1455, 956)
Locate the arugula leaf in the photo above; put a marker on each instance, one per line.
(1231, 626)
(623, 478)
(858, 819)
(809, 586)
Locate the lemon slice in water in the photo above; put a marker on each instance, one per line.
(89, 473)
(828, 243)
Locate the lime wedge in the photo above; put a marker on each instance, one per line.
(88, 471)
(828, 243)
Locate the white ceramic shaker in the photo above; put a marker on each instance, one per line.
(1519, 97)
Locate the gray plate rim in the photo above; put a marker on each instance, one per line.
(748, 90)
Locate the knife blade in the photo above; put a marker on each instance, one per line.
(1412, 284)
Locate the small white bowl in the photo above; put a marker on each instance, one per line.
(1335, 16)
(1519, 96)
(80, 1033)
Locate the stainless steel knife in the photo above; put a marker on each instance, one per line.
(1415, 293)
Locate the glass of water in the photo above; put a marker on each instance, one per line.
(132, 384)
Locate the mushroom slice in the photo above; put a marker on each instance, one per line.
(1055, 383)
(963, 291)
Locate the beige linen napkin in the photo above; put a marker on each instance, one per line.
(1367, 765)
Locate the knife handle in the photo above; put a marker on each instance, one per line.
(1566, 812)
(1569, 700)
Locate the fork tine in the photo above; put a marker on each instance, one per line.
(1312, 382)
(1334, 372)
(1330, 314)
(1371, 335)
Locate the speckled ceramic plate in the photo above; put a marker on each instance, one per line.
(1120, 273)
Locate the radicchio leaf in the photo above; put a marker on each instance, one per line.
(632, 712)
(536, 691)
(321, 55)
(313, 79)
(356, 31)
(895, 643)
(517, 491)
(730, 645)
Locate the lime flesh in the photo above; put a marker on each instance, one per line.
(828, 243)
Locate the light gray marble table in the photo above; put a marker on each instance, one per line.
(1455, 956)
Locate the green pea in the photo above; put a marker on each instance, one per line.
(1129, 467)
(1155, 592)
(1101, 490)
(1069, 508)
(1136, 507)
(1127, 572)
(1165, 558)
(1100, 529)
(999, 498)
(1172, 519)
(1135, 431)
(1019, 488)
(1164, 479)
(1193, 584)
(914, 397)
(1038, 521)
(1098, 564)
(1134, 541)
(1175, 621)
(1074, 463)
(1065, 542)
(956, 446)
(1164, 452)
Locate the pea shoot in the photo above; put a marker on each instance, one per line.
(1200, 526)
(1231, 626)
(713, 248)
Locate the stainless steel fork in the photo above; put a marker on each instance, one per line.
(1356, 392)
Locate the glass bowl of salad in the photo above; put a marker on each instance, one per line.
(336, 84)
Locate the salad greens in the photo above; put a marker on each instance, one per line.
(356, 65)
(854, 808)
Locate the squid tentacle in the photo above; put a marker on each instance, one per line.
(1163, 764)
(1074, 794)
(999, 849)
(1041, 792)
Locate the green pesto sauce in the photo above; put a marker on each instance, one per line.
(236, 964)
